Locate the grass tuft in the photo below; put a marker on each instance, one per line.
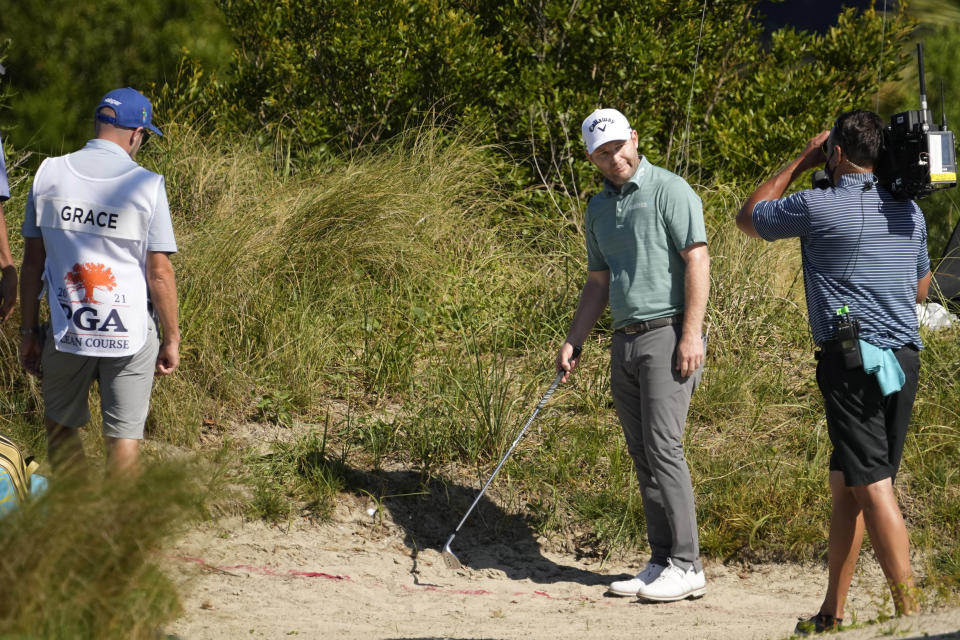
(80, 561)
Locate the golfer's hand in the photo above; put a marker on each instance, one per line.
(30, 352)
(8, 292)
(168, 358)
(567, 361)
(690, 354)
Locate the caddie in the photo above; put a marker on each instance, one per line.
(98, 236)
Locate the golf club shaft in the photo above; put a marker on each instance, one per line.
(546, 397)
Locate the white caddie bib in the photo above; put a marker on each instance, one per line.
(95, 237)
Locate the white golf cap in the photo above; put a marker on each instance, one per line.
(604, 125)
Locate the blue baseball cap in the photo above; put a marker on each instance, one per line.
(132, 108)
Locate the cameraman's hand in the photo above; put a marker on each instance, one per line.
(813, 156)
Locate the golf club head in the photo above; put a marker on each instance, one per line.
(449, 558)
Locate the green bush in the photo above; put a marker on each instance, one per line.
(705, 95)
(64, 55)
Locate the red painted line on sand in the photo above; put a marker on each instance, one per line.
(267, 571)
(464, 592)
(294, 573)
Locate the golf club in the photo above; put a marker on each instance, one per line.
(448, 556)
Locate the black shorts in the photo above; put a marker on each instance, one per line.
(867, 430)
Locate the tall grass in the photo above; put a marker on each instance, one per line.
(81, 561)
(404, 303)
(407, 278)
(341, 278)
(929, 470)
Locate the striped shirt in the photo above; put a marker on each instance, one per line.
(636, 233)
(861, 248)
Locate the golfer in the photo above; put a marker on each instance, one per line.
(647, 256)
(865, 261)
(98, 236)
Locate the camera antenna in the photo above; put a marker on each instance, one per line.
(943, 109)
(923, 87)
(923, 82)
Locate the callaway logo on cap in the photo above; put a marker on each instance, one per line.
(132, 108)
(604, 125)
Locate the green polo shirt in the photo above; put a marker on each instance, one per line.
(637, 233)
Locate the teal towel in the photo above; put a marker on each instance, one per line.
(883, 364)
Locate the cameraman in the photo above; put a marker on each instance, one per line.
(866, 251)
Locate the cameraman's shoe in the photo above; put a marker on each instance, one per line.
(820, 623)
(674, 584)
(630, 587)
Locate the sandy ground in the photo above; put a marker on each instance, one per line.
(382, 576)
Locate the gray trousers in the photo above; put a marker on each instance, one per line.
(652, 400)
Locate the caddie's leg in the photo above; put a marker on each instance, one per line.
(628, 401)
(666, 400)
(66, 386)
(846, 536)
(125, 386)
(895, 545)
(65, 449)
(123, 456)
(891, 543)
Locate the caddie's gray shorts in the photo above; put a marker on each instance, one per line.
(125, 385)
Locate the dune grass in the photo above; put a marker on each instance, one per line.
(406, 284)
(401, 309)
(81, 560)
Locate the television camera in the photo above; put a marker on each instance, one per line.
(918, 155)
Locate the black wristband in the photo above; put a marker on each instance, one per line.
(29, 331)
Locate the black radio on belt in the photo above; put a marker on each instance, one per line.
(848, 338)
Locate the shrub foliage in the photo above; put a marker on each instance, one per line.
(705, 94)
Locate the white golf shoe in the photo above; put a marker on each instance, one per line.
(630, 587)
(674, 583)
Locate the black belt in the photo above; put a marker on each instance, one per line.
(650, 325)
